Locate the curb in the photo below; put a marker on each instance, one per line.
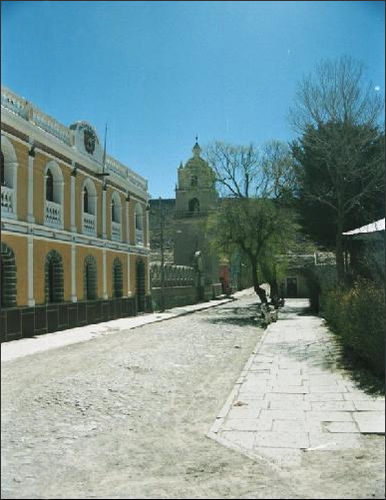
(216, 426)
(212, 433)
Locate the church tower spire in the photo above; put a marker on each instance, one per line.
(196, 149)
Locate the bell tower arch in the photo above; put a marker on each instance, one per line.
(196, 192)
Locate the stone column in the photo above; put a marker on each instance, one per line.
(129, 292)
(104, 273)
(73, 205)
(147, 238)
(31, 158)
(148, 290)
(30, 260)
(127, 219)
(104, 235)
(74, 297)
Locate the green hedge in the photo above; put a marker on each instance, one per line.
(357, 317)
(320, 279)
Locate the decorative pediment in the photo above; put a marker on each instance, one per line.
(87, 140)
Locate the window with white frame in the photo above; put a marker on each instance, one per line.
(9, 166)
(116, 217)
(89, 207)
(138, 214)
(2, 170)
(53, 195)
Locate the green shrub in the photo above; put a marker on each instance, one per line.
(357, 317)
(320, 279)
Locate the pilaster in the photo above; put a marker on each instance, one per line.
(74, 297)
(104, 265)
(31, 158)
(30, 257)
(73, 206)
(104, 235)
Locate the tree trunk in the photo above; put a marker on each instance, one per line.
(339, 252)
(260, 292)
(274, 294)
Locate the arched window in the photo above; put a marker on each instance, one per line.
(51, 282)
(49, 186)
(116, 216)
(116, 207)
(2, 170)
(138, 224)
(54, 185)
(194, 181)
(194, 205)
(54, 277)
(140, 285)
(85, 200)
(8, 277)
(117, 278)
(113, 211)
(89, 206)
(9, 166)
(90, 278)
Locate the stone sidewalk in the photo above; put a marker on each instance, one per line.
(39, 343)
(291, 398)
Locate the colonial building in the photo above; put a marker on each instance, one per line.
(74, 226)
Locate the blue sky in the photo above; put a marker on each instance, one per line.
(160, 72)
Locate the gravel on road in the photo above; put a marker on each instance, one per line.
(125, 416)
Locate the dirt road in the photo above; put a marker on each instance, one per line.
(125, 416)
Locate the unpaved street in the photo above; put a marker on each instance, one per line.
(125, 416)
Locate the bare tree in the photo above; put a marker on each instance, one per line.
(335, 92)
(251, 172)
(253, 182)
(340, 155)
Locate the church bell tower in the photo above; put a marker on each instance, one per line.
(196, 198)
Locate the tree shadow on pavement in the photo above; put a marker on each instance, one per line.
(240, 316)
(362, 375)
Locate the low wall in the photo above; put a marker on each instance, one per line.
(176, 296)
(19, 322)
(216, 290)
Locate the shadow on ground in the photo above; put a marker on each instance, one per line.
(240, 316)
(362, 375)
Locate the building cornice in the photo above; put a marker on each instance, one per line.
(21, 228)
(25, 121)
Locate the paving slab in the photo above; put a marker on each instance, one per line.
(366, 405)
(341, 427)
(290, 405)
(295, 398)
(332, 405)
(282, 439)
(334, 441)
(370, 422)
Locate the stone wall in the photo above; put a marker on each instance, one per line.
(177, 296)
(173, 275)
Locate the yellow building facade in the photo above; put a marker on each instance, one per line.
(74, 226)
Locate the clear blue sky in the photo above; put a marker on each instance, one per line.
(160, 72)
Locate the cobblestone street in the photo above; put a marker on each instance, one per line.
(125, 415)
